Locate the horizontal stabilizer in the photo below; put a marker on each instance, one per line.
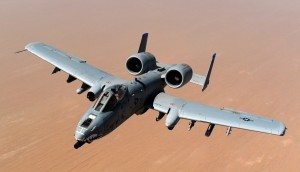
(198, 79)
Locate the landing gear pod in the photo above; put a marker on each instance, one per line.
(94, 92)
(172, 119)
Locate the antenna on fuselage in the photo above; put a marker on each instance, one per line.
(143, 43)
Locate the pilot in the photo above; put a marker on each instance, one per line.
(119, 93)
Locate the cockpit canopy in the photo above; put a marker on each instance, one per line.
(110, 97)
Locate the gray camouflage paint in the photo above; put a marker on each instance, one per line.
(144, 92)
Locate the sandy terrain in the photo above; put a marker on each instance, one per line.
(257, 70)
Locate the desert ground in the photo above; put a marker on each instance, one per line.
(257, 70)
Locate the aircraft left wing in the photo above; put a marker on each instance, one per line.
(74, 66)
(179, 108)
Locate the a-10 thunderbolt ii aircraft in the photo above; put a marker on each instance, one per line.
(116, 99)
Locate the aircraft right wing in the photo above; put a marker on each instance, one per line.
(179, 108)
(75, 67)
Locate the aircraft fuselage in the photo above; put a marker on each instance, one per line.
(138, 98)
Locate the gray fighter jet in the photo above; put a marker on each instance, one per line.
(116, 99)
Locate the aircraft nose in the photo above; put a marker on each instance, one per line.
(79, 134)
(80, 137)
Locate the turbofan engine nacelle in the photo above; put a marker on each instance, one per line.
(94, 92)
(178, 75)
(140, 63)
(172, 119)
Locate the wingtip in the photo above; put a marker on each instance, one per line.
(281, 129)
(31, 44)
(283, 132)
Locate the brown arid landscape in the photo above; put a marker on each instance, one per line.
(257, 70)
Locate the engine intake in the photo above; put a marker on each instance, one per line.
(178, 75)
(140, 63)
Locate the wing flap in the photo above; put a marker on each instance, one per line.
(220, 116)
